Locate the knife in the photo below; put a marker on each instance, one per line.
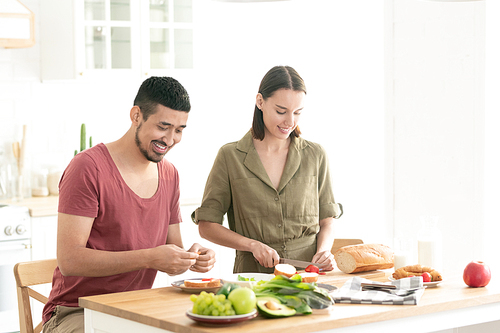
(376, 286)
(299, 263)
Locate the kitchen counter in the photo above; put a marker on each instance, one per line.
(451, 304)
(38, 206)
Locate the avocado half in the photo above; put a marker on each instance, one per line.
(272, 308)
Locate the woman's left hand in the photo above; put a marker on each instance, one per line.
(325, 259)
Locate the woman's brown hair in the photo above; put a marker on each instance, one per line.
(278, 77)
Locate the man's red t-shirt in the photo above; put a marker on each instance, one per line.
(92, 186)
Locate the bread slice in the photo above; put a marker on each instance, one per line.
(364, 257)
(213, 283)
(309, 277)
(204, 283)
(195, 283)
(285, 269)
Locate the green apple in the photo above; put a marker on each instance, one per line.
(243, 300)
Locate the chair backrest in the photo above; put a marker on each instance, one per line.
(341, 242)
(29, 274)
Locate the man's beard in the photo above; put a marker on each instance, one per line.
(153, 157)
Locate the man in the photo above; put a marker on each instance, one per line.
(119, 214)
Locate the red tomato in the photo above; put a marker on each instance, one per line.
(427, 277)
(312, 269)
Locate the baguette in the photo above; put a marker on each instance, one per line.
(364, 257)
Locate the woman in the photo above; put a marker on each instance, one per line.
(273, 185)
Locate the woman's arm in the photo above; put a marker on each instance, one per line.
(325, 240)
(218, 234)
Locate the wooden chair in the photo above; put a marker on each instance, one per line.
(29, 274)
(340, 242)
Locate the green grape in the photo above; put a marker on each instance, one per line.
(209, 304)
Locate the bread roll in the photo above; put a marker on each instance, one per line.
(309, 277)
(364, 257)
(285, 269)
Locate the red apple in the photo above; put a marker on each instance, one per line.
(477, 274)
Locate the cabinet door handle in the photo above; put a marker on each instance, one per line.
(15, 248)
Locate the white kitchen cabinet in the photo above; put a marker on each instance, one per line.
(43, 237)
(43, 246)
(123, 38)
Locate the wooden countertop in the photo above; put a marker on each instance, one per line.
(38, 206)
(165, 308)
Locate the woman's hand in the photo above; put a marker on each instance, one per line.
(266, 256)
(324, 258)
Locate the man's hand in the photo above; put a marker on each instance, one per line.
(206, 258)
(172, 259)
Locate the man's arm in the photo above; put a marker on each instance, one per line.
(75, 259)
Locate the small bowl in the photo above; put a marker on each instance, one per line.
(251, 276)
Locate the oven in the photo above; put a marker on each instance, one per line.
(15, 246)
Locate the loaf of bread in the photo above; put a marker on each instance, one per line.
(364, 257)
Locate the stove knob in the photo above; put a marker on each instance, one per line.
(20, 229)
(8, 230)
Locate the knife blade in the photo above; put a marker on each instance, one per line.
(299, 263)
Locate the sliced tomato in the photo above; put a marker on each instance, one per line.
(312, 269)
(427, 277)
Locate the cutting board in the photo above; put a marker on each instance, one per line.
(338, 278)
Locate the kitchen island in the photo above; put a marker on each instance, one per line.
(451, 304)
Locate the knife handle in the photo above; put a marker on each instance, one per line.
(377, 286)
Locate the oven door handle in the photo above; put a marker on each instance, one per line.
(23, 246)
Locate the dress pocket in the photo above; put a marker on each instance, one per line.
(302, 197)
(251, 197)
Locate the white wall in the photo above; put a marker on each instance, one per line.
(338, 47)
(236, 45)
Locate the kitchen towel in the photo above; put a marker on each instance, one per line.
(351, 292)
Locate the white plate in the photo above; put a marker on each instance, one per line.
(256, 277)
(426, 284)
(221, 320)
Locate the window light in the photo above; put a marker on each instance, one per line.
(17, 25)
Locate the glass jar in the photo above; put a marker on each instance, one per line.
(39, 188)
(402, 252)
(430, 243)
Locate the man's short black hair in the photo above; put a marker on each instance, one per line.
(163, 90)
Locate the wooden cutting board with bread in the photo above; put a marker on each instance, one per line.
(353, 258)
